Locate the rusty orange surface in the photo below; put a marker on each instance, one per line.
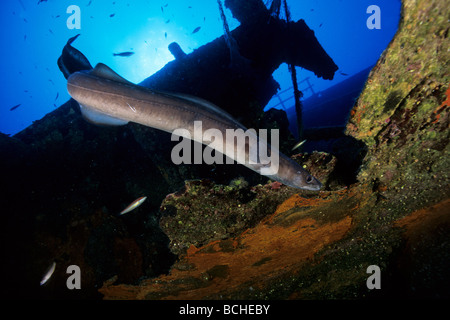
(252, 258)
(424, 221)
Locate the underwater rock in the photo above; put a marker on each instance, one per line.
(427, 247)
(242, 267)
(205, 212)
(402, 114)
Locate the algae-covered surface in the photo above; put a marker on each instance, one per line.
(402, 115)
(204, 211)
(272, 242)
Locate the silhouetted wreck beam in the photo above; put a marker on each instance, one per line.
(263, 44)
(298, 104)
(297, 93)
(249, 12)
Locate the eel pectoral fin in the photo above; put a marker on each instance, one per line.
(99, 118)
(91, 115)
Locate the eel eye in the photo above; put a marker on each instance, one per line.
(309, 179)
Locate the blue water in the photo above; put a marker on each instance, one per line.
(34, 33)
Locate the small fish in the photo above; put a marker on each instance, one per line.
(196, 30)
(49, 273)
(90, 1)
(124, 54)
(57, 16)
(320, 25)
(344, 74)
(112, 15)
(165, 35)
(162, 9)
(298, 145)
(50, 31)
(15, 107)
(42, 1)
(57, 95)
(168, 21)
(136, 203)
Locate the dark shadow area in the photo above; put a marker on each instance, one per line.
(349, 152)
(63, 188)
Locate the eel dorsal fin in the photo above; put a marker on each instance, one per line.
(103, 71)
(210, 107)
